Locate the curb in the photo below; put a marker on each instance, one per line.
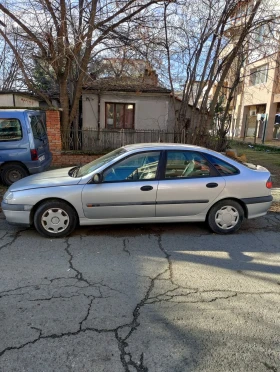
(276, 194)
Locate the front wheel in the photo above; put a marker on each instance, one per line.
(225, 217)
(55, 219)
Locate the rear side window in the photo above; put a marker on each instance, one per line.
(224, 168)
(10, 130)
(38, 127)
(186, 164)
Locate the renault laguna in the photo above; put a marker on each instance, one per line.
(142, 183)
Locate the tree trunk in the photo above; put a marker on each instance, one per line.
(64, 102)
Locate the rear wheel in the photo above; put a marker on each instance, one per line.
(225, 217)
(55, 219)
(12, 173)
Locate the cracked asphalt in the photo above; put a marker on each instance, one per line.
(157, 298)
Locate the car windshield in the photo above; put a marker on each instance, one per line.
(95, 164)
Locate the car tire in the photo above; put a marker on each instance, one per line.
(225, 217)
(55, 219)
(12, 173)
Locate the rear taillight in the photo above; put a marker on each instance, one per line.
(269, 183)
(34, 154)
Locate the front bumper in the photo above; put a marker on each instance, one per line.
(17, 214)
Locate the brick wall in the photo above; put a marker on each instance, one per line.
(53, 129)
(59, 157)
(68, 160)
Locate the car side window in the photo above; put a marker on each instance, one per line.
(186, 164)
(137, 167)
(10, 130)
(224, 168)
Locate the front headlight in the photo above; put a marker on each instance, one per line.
(9, 195)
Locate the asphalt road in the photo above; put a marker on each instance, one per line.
(157, 298)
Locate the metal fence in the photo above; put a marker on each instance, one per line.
(98, 141)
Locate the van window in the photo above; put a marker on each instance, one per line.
(38, 127)
(10, 130)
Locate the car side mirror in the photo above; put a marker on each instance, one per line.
(97, 178)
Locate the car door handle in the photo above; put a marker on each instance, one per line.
(146, 188)
(211, 185)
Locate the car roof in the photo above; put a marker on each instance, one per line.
(163, 146)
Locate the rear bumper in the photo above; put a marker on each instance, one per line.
(258, 207)
(17, 214)
(37, 167)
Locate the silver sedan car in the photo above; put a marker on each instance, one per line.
(142, 183)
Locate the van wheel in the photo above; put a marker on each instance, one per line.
(225, 217)
(12, 173)
(55, 219)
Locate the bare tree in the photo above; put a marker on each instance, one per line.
(207, 46)
(63, 36)
(10, 76)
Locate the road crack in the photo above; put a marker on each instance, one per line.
(126, 357)
(79, 274)
(15, 237)
(125, 247)
(269, 367)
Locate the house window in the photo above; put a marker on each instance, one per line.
(119, 115)
(258, 75)
(261, 32)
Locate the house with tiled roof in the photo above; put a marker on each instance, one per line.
(128, 103)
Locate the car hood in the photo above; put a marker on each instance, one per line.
(57, 177)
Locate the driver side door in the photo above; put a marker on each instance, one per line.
(128, 189)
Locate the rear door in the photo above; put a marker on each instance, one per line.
(40, 138)
(188, 186)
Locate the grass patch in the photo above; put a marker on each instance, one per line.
(262, 154)
(267, 156)
(256, 147)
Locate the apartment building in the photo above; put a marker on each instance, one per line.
(255, 109)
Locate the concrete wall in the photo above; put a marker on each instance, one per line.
(276, 97)
(90, 111)
(25, 101)
(17, 100)
(6, 100)
(152, 111)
